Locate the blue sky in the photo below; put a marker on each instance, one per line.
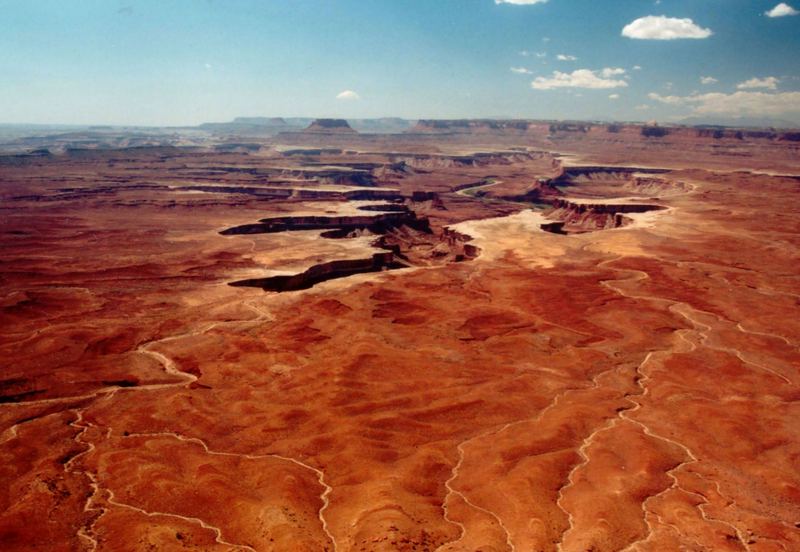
(177, 62)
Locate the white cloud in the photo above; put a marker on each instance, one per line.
(347, 95)
(766, 82)
(671, 100)
(661, 27)
(738, 103)
(612, 71)
(580, 78)
(749, 103)
(528, 53)
(520, 71)
(520, 2)
(637, 67)
(613, 96)
(781, 10)
(642, 107)
(564, 57)
(708, 80)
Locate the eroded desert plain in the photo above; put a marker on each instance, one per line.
(467, 336)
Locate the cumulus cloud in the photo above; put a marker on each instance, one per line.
(520, 71)
(580, 78)
(766, 82)
(637, 67)
(781, 10)
(612, 71)
(613, 96)
(564, 57)
(347, 95)
(661, 27)
(708, 80)
(749, 103)
(671, 100)
(520, 2)
(738, 103)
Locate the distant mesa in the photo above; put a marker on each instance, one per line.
(384, 125)
(266, 121)
(338, 126)
(471, 126)
(270, 126)
(251, 126)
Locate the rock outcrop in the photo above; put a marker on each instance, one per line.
(409, 240)
(336, 126)
(572, 217)
(426, 126)
(478, 159)
(376, 223)
(323, 272)
(594, 172)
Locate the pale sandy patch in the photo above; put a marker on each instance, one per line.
(520, 234)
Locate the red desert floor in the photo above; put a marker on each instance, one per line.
(630, 383)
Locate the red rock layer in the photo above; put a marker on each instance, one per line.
(633, 389)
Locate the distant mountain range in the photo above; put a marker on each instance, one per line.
(267, 126)
(20, 138)
(740, 122)
(270, 126)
